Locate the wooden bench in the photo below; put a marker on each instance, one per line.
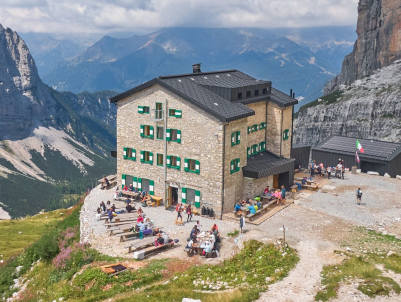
(141, 244)
(141, 254)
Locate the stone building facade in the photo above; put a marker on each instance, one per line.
(188, 138)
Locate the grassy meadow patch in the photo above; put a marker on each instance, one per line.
(18, 234)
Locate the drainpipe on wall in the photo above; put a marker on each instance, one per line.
(165, 155)
(224, 163)
(292, 129)
(281, 131)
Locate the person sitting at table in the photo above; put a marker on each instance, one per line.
(143, 194)
(237, 207)
(266, 191)
(248, 201)
(194, 233)
(304, 181)
(103, 206)
(139, 219)
(99, 210)
(125, 188)
(159, 240)
(140, 211)
(251, 209)
(259, 204)
(113, 207)
(256, 207)
(131, 188)
(129, 208)
(110, 215)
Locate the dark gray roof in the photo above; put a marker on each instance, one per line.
(265, 164)
(282, 99)
(374, 149)
(196, 88)
(209, 101)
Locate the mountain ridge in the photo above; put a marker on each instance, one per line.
(57, 141)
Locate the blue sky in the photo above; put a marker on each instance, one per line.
(104, 16)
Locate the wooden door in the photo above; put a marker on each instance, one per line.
(275, 182)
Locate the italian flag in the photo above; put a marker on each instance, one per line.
(359, 146)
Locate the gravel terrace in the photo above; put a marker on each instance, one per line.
(316, 224)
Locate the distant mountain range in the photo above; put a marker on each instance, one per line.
(301, 59)
(53, 145)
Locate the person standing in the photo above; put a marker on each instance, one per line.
(242, 223)
(179, 211)
(283, 192)
(189, 213)
(358, 196)
(328, 172)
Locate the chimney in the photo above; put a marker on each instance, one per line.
(291, 92)
(196, 68)
(293, 95)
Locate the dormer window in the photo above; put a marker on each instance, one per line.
(264, 91)
(248, 94)
(256, 92)
(239, 95)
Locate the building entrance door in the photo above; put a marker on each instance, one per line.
(172, 196)
(275, 182)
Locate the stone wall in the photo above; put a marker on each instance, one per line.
(201, 139)
(233, 183)
(254, 187)
(259, 117)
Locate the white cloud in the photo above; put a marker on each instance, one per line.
(66, 16)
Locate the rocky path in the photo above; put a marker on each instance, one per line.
(303, 282)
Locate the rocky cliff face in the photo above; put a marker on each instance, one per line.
(368, 108)
(47, 137)
(378, 43)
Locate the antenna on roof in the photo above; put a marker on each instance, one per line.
(196, 68)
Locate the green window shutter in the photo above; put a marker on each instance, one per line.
(168, 135)
(168, 161)
(151, 158)
(140, 109)
(286, 134)
(178, 166)
(184, 195)
(142, 130)
(233, 139)
(151, 132)
(179, 136)
(186, 165)
(197, 199)
(178, 113)
(135, 182)
(197, 166)
(232, 167)
(238, 137)
(142, 156)
(133, 154)
(151, 187)
(125, 153)
(123, 176)
(249, 130)
(139, 184)
(248, 151)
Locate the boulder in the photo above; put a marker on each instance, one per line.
(373, 173)
(387, 175)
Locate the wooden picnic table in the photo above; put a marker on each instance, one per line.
(111, 178)
(152, 250)
(157, 200)
(130, 194)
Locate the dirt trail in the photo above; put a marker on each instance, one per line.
(303, 282)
